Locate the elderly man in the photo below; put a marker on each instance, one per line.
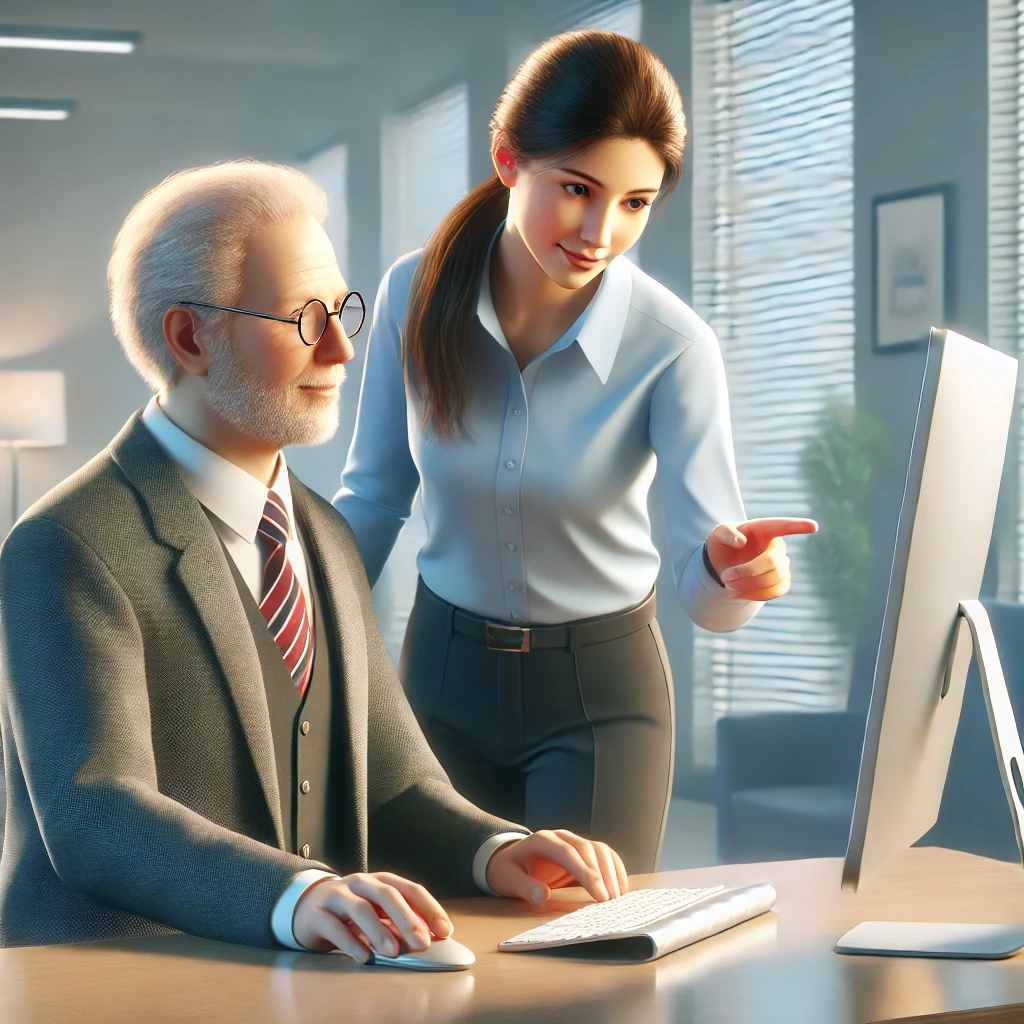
(201, 725)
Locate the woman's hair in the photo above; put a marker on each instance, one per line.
(184, 241)
(575, 90)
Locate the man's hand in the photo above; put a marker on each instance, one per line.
(364, 911)
(750, 558)
(530, 868)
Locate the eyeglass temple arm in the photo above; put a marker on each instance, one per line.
(248, 312)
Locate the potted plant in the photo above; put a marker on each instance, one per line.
(838, 465)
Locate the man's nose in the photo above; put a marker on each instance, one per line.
(334, 346)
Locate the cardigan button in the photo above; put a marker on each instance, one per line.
(305, 786)
(305, 728)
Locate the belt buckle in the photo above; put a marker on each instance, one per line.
(515, 639)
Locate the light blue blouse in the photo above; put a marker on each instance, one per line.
(541, 516)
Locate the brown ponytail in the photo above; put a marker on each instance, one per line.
(573, 91)
(442, 302)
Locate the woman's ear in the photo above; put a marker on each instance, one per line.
(505, 164)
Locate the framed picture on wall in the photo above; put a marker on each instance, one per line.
(911, 266)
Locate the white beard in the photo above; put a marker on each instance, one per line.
(276, 414)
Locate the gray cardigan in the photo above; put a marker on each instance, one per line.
(141, 780)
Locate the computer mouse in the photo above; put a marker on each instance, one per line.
(440, 955)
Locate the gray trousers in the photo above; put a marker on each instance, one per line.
(578, 736)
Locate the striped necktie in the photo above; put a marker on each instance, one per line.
(283, 604)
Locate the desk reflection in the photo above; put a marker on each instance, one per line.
(415, 997)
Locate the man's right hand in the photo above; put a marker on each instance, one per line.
(357, 912)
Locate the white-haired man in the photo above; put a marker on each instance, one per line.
(202, 728)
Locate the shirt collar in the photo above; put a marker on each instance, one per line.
(598, 331)
(232, 495)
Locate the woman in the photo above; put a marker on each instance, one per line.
(528, 379)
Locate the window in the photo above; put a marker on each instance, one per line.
(1006, 250)
(616, 16)
(626, 18)
(773, 275)
(424, 172)
(329, 168)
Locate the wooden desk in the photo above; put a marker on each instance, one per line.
(777, 968)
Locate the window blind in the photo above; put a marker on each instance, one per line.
(626, 18)
(424, 173)
(772, 158)
(424, 170)
(1006, 247)
(610, 16)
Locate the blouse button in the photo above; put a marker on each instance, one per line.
(511, 547)
(510, 464)
(511, 586)
(507, 510)
(519, 412)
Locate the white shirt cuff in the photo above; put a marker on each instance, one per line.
(284, 909)
(710, 605)
(488, 848)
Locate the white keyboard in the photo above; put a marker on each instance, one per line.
(651, 922)
(632, 912)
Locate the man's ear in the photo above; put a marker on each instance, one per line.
(505, 164)
(184, 340)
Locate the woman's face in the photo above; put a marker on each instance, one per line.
(577, 217)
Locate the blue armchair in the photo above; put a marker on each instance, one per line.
(785, 782)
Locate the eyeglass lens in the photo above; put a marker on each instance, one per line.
(313, 318)
(352, 314)
(313, 321)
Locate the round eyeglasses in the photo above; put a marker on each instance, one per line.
(312, 318)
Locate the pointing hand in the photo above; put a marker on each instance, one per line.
(750, 558)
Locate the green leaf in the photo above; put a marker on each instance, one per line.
(838, 465)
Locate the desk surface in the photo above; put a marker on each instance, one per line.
(779, 967)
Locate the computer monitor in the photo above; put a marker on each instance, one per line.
(931, 618)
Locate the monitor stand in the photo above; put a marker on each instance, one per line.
(963, 941)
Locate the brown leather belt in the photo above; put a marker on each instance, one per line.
(500, 636)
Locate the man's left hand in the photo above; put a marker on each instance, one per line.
(550, 859)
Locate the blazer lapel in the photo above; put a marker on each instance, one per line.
(325, 544)
(179, 521)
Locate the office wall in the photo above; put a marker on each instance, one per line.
(67, 187)
(920, 118)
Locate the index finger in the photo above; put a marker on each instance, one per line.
(420, 900)
(781, 526)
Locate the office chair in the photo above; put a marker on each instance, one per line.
(785, 781)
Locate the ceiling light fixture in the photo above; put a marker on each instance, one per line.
(35, 110)
(23, 37)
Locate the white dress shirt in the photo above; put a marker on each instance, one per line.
(234, 501)
(540, 515)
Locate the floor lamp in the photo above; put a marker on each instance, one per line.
(32, 415)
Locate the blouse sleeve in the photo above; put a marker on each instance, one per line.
(692, 437)
(380, 479)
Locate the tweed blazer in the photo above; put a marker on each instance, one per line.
(142, 787)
